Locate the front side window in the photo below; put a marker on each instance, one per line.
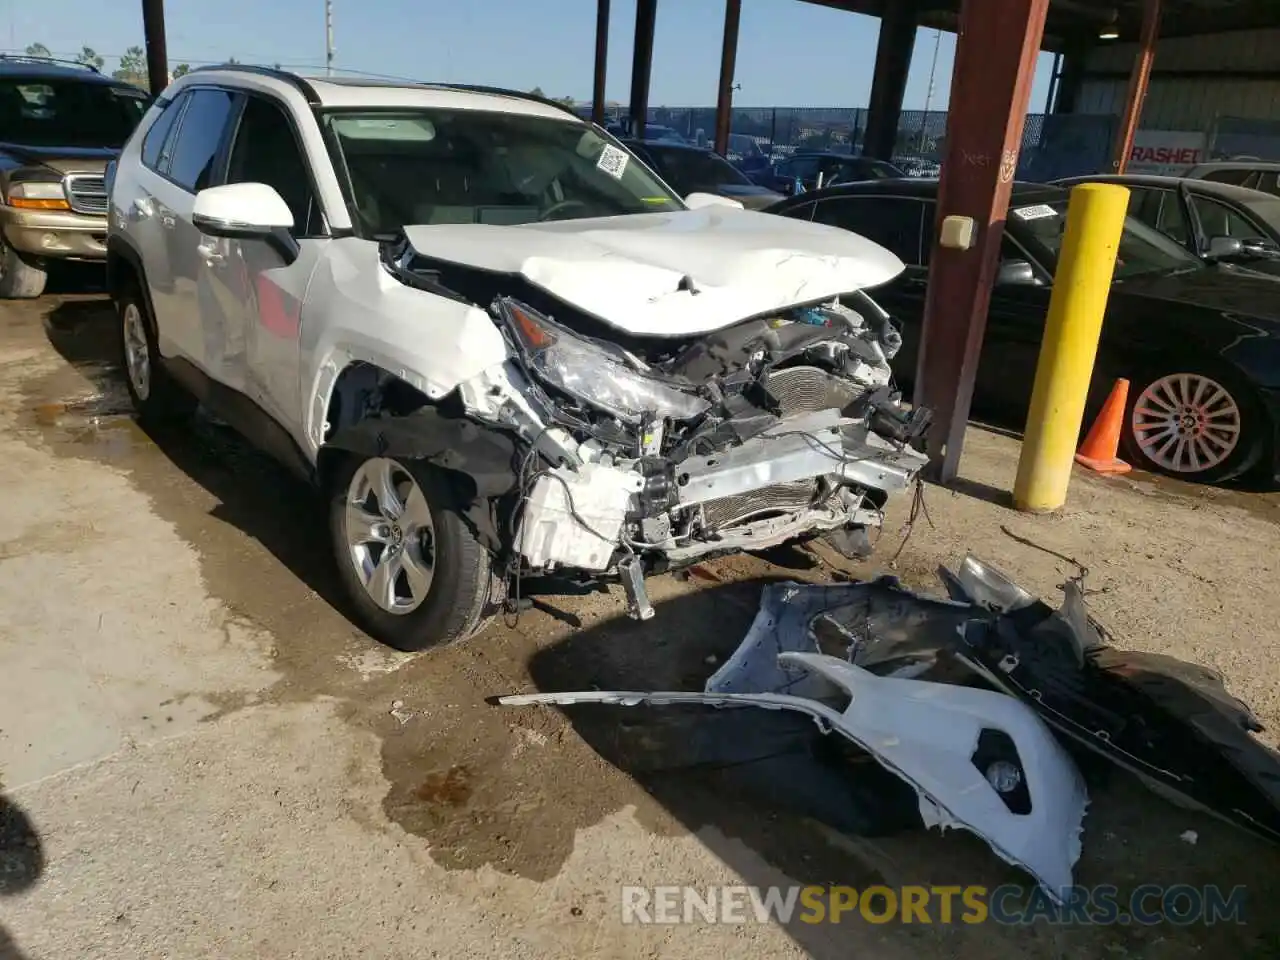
(895, 223)
(199, 136)
(1219, 220)
(1143, 250)
(691, 171)
(470, 166)
(44, 112)
(1239, 176)
(266, 151)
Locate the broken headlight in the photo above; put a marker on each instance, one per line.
(591, 373)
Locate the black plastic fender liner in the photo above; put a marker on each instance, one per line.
(483, 460)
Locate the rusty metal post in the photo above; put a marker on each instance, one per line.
(602, 60)
(995, 63)
(157, 55)
(728, 61)
(889, 81)
(1139, 79)
(642, 65)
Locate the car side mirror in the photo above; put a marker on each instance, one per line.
(1016, 273)
(241, 211)
(1223, 248)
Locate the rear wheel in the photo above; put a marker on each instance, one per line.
(415, 572)
(1197, 426)
(156, 396)
(19, 278)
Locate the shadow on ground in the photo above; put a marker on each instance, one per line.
(253, 493)
(21, 863)
(771, 797)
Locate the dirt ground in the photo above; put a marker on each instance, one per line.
(201, 756)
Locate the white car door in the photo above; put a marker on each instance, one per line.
(196, 155)
(267, 279)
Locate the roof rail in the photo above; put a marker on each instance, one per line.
(293, 79)
(35, 58)
(504, 92)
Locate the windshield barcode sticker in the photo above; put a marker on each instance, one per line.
(1037, 212)
(613, 161)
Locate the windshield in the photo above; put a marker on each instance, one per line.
(691, 171)
(1142, 250)
(470, 166)
(850, 171)
(41, 112)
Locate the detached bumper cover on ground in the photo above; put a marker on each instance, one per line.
(978, 759)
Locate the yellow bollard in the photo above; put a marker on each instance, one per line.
(1086, 262)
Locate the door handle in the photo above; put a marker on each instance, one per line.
(210, 254)
(142, 208)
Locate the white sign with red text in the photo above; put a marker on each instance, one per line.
(1167, 152)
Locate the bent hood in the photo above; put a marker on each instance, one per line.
(670, 274)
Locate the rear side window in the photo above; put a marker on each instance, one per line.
(897, 224)
(1234, 175)
(199, 136)
(153, 143)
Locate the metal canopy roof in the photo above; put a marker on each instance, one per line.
(1071, 19)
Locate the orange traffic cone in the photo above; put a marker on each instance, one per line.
(1098, 452)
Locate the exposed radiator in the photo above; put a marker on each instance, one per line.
(809, 389)
(780, 498)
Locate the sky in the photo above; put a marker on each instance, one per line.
(790, 53)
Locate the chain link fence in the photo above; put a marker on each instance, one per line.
(781, 131)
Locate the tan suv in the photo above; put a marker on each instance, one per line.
(60, 125)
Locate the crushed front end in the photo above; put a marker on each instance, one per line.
(646, 454)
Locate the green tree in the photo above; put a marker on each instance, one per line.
(90, 58)
(537, 92)
(38, 50)
(133, 66)
(181, 70)
(232, 60)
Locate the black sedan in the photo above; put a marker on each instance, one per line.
(1199, 343)
(1215, 221)
(688, 169)
(810, 169)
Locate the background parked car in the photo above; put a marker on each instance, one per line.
(1200, 344)
(689, 169)
(805, 168)
(1215, 221)
(1261, 175)
(747, 155)
(652, 131)
(60, 124)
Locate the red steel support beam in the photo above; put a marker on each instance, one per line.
(728, 62)
(642, 65)
(157, 55)
(1139, 79)
(889, 81)
(602, 60)
(995, 63)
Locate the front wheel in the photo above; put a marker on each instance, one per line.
(1196, 426)
(415, 572)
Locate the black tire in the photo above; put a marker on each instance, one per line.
(163, 401)
(463, 587)
(1253, 432)
(19, 278)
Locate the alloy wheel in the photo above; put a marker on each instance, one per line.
(137, 358)
(1186, 423)
(390, 535)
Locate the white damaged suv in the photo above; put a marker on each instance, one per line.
(497, 340)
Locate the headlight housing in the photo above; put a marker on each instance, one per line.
(38, 195)
(590, 373)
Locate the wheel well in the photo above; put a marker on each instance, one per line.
(363, 390)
